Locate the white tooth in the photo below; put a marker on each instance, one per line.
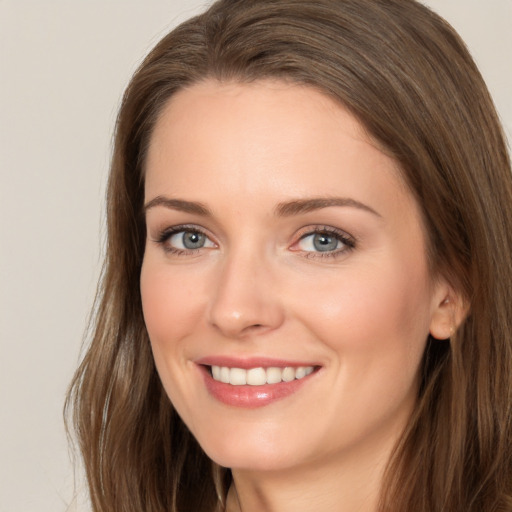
(256, 376)
(237, 376)
(300, 372)
(259, 376)
(288, 374)
(274, 375)
(224, 374)
(216, 372)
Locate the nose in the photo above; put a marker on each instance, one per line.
(246, 299)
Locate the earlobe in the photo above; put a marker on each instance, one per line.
(447, 316)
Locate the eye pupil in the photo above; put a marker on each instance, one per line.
(193, 240)
(323, 242)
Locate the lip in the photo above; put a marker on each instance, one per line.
(250, 397)
(250, 362)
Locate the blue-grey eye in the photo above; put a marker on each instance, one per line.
(320, 242)
(190, 240)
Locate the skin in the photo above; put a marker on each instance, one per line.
(258, 287)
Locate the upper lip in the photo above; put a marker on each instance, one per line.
(250, 362)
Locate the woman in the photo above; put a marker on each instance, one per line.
(306, 297)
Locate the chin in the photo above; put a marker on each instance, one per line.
(249, 454)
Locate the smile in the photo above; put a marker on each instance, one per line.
(253, 383)
(258, 376)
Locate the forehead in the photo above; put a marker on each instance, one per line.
(260, 105)
(263, 138)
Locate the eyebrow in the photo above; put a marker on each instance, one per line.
(299, 206)
(178, 204)
(284, 209)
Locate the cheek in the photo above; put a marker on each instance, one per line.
(374, 325)
(172, 303)
(379, 312)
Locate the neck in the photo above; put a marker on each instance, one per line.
(350, 487)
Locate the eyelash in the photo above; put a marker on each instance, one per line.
(166, 234)
(347, 240)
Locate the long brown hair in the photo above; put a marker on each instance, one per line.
(407, 76)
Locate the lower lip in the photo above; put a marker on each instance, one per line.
(250, 397)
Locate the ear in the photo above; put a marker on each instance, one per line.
(449, 310)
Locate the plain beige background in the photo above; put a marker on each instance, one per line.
(64, 65)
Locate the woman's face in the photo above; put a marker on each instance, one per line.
(283, 250)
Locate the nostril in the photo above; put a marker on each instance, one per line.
(254, 327)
